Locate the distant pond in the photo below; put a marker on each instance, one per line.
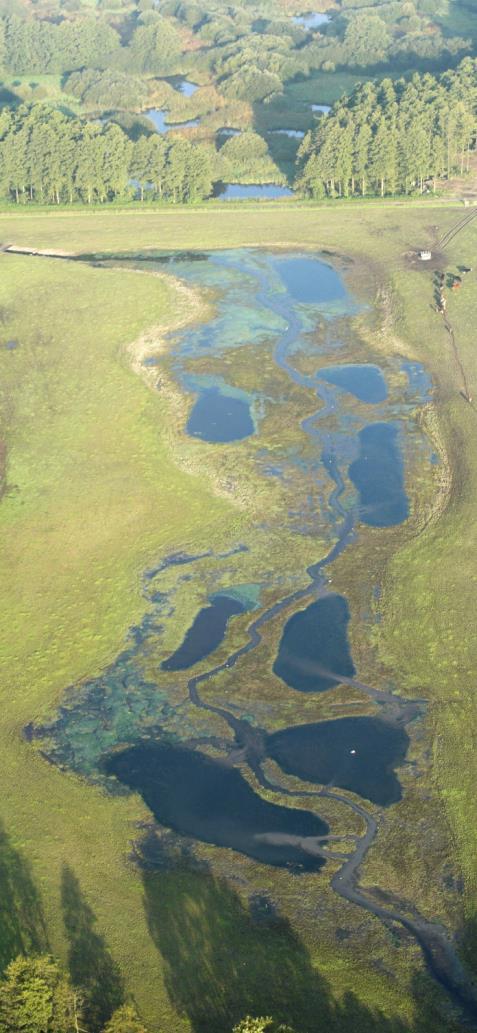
(252, 191)
(158, 119)
(312, 20)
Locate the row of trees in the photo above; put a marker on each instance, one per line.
(393, 137)
(49, 158)
(36, 996)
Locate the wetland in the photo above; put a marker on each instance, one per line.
(332, 452)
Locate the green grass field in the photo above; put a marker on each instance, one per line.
(94, 495)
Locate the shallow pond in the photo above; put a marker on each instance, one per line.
(310, 280)
(206, 632)
(205, 798)
(323, 108)
(355, 753)
(364, 381)
(378, 474)
(220, 417)
(314, 645)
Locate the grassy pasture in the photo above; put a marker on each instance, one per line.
(93, 498)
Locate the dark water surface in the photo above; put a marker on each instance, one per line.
(204, 798)
(205, 634)
(219, 417)
(379, 476)
(355, 753)
(315, 640)
(362, 380)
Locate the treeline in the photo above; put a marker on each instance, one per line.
(36, 996)
(49, 158)
(393, 137)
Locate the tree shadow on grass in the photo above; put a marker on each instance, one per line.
(220, 964)
(22, 925)
(90, 964)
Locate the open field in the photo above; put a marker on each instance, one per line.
(91, 500)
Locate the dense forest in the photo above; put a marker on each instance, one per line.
(165, 100)
(391, 137)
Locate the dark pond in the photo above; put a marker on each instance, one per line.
(310, 280)
(312, 20)
(355, 753)
(251, 191)
(378, 476)
(205, 633)
(220, 417)
(364, 381)
(158, 119)
(315, 640)
(210, 801)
